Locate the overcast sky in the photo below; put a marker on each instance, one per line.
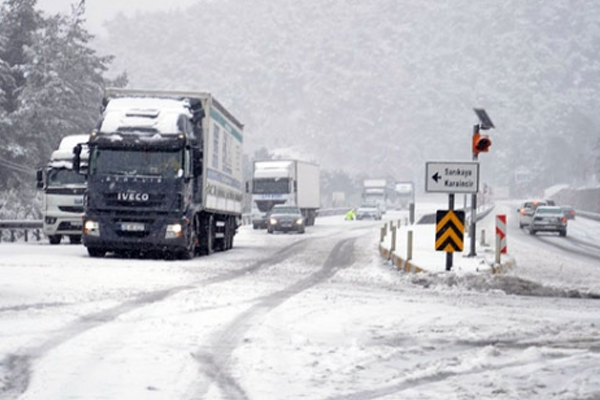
(98, 11)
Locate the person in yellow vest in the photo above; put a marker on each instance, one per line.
(351, 215)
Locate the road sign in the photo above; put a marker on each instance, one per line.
(501, 232)
(452, 177)
(449, 230)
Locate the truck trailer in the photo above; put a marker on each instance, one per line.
(63, 192)
(291, 182)
(165, 175)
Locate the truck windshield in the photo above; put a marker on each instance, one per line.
(63, 176)
(167, 164)
(271, 186)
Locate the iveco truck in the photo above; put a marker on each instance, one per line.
(291, 182)
(165, 175)
(63, 192)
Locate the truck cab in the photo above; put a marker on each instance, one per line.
(63, 190)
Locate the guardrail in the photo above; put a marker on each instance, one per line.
(589, 215)
(20, 228)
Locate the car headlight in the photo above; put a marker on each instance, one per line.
(273, 221)
(174, 231)
(300, 221)
(91, 228)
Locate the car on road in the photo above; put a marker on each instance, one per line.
(284, 218)
(260, 220)
(368, 211)
(548, 219)
(527, 209)
(569, 212)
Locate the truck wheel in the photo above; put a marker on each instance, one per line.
(190, 250)
(96, 253)
(563, 233)
(55, 239)
(208, 234)
(75, 239)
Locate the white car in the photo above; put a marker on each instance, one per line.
(548, 219)
(368, 211)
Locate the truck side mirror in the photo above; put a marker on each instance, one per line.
(39, 178)
(77, 158)
(247, 186)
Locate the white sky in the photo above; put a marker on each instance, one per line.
(98, 11)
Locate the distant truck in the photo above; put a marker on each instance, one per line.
(291, 182)
(405, 194)
(63, 190)
(165, 175)
(378, 191)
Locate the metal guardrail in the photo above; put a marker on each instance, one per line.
(589, 215)
(20, 228)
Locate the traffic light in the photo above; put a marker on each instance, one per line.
(481, 143)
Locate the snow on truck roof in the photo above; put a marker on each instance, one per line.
(160, 114)
(68, 142)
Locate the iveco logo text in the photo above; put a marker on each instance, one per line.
(133, 196)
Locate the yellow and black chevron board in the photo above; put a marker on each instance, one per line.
(449, 230)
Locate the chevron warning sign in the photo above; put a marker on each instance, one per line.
(449, 229)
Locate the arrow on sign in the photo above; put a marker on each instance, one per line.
(436, 177)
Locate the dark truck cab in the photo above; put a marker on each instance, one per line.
(152, 186)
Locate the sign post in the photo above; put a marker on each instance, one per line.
(451, 178)
(480, 143)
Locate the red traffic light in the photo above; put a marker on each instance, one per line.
(481, 143)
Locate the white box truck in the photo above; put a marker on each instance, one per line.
(291, 182)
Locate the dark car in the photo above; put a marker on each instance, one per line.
(569, 212)
(260, 220)
(285, 219)
(548, 219)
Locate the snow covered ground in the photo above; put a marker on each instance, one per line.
(314, 316)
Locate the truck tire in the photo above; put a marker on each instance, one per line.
(96, 252)
(207, 238)
(190, 251)
(55, 239)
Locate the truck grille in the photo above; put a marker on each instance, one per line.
(71, 209)
(154, 201)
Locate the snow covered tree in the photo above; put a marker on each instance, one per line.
(51, 84)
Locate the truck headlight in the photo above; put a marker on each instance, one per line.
(273, 221)
(50, 220)
(174, 231)
(91, 228)
(299, 221)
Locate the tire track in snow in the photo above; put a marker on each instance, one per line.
(15, 369)
(215, 364)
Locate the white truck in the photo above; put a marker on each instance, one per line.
(405, 194)
(378, 191)
(164, 176)
(63, 190)
(292, 182)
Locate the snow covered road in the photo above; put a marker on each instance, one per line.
(314, 316)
